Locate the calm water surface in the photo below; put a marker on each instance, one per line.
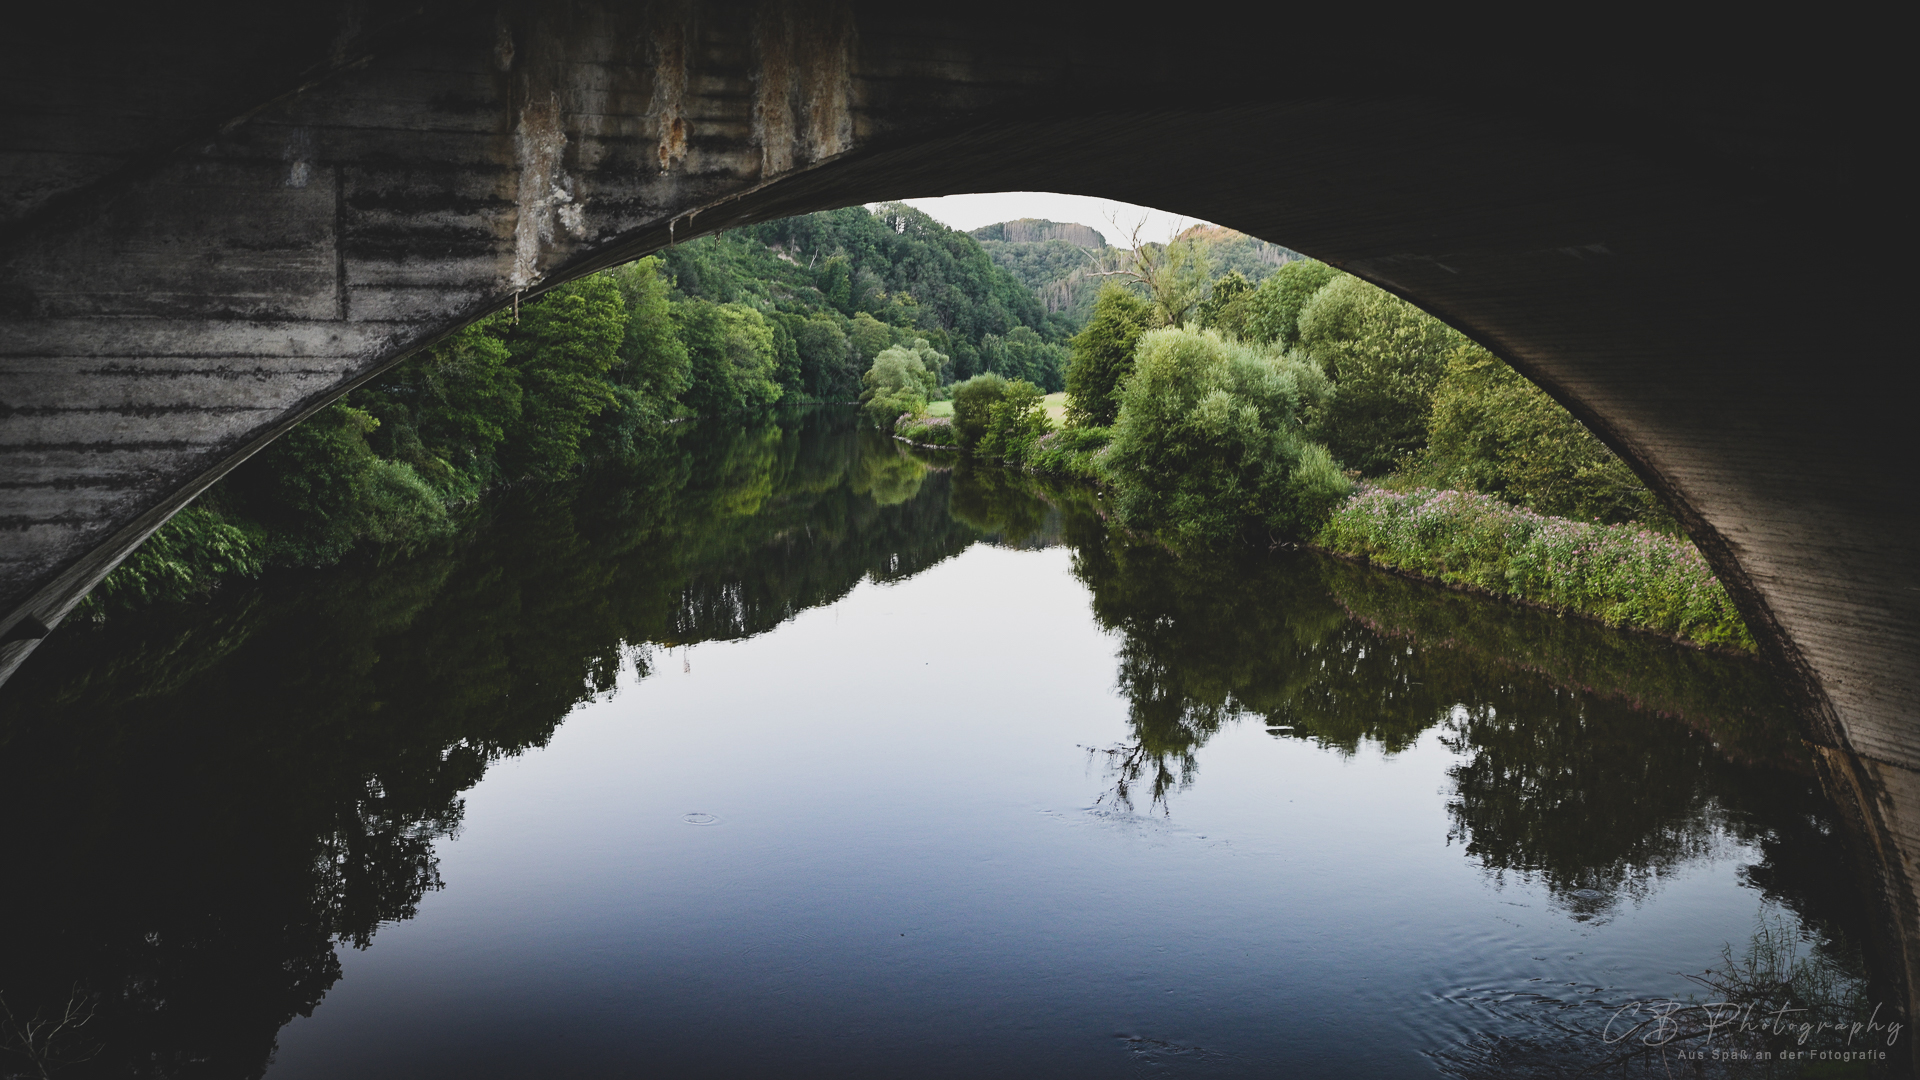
(798, 757)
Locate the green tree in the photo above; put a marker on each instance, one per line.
(937, 364)
(1492, 431)
(1385, 358)
(1022, 354)
(1209, 447)
(1225, 308)
(786, 353)
(1271, 313)
(1102, 357)
(653, 368)
(320, 489)
(898, 382)
(562, 350)
(826, 359)
(870, 337)
(1015, 423)
(752, 352)
(653, 360)
(973, 402)
(733, 357)
(710, 390)
(836, 284)
(1175, 275)
(446, 410)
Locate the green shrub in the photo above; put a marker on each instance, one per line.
(898, 384)
(398, 508)
(1385, 358)
(1494, 432)
(1075, 452)
(928, 430)
(1209, 448)
(1015, 423)
(973, 402)
(183, 559)
(1620, 574)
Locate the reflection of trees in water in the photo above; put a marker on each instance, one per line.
(217, 797)
(1011, 508)
(1598, 806)
(1592, 761)
(221, 795)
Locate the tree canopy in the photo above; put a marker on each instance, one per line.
(1103, 357)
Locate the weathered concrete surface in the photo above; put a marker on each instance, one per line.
(212, 224)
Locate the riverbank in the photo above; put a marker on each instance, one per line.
(1625, 576)
(1621, 575)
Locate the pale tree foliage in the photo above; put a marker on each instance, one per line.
(900, 381)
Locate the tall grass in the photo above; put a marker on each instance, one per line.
(1623, 575)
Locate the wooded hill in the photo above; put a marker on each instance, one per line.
(1064, 263)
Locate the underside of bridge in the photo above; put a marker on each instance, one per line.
(213, 225)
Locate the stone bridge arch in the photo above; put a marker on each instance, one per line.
(214, 224)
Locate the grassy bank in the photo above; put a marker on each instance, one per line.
(1623, 575)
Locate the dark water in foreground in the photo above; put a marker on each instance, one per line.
(796, 757)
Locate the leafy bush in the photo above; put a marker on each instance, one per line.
(1494, 432)
(305, 489)
(1620, 574)
(184, 559)
(1385, 356)
(1015, 423)
(897, 384)
(1075, 452)
(398, 509)
(1209, 448)
(928, 430)
(973, 402)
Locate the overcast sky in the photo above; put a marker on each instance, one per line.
(968, 212)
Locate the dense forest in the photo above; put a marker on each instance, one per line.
(792, 311)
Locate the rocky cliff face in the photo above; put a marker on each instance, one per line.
(1039, 231)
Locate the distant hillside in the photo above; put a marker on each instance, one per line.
(1231, 250)
(1062, 261)
(1055, 259)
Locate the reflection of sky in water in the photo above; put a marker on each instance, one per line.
(901, 869)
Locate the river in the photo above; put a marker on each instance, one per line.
(793, 753)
